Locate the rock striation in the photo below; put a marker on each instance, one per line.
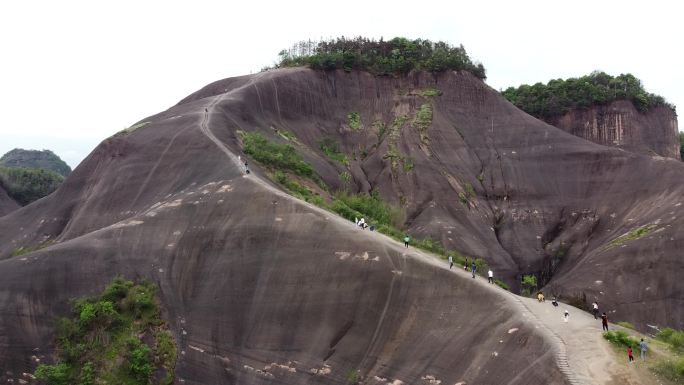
(654, 132)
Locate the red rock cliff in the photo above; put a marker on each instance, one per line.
(620, 124)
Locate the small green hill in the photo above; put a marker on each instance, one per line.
(45, 160)
(559, 96)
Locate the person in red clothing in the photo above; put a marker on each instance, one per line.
(630, 354)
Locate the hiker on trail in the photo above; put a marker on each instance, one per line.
(474, 267)
(604, 321)
(540, 297)
(566, 315)
(594, 309)
(246, 168)
(372, 228)
(490, 276)
(630, 354)
(465, 265)
(362, 223)
(451, 262)
(554, 302)
(407, 239)
(643, 347)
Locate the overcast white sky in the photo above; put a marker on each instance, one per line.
(74, 72)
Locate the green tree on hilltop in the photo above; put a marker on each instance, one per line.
(380, 57)
(559, 96)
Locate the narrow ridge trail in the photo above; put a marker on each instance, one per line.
(581, 353)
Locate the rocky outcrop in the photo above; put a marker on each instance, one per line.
(620, 124)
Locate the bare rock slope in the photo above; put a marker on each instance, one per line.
(260, 288)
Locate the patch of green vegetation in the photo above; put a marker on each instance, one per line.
(672, 369)
(382, 130)
(423, 121)
(297, 189)
(277, 156)
(529, 284)
(392, 57)
(408, 164)
(672, 337)
(287, 135)
(482, 266)
(626, 325)
(393, 154)
(502, 284)
(345, 177)
(463, 198)
(397, 124)
(633, 235)
(430, 245)
(332, 150)
(104, 340)
(621, 339)
(480, 178)
(467, 194)
(430, 92)
(395, 157)
(353, 377)
(560, 96)
(29, 249)
(26, 185)
(368, 206)
(470, 191)
(354, 120)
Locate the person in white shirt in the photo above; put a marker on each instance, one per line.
(490, 276)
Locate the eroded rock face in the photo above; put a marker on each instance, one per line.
(619, 124)
(255, 281)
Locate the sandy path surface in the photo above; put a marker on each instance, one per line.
(582, 354)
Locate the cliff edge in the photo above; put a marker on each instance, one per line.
(654, 132)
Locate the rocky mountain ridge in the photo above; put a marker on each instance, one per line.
(255, 283)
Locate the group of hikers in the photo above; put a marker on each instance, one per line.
(473, 268)
(362, 224)
(643, 347)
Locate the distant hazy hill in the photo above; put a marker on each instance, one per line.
(45, 160)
